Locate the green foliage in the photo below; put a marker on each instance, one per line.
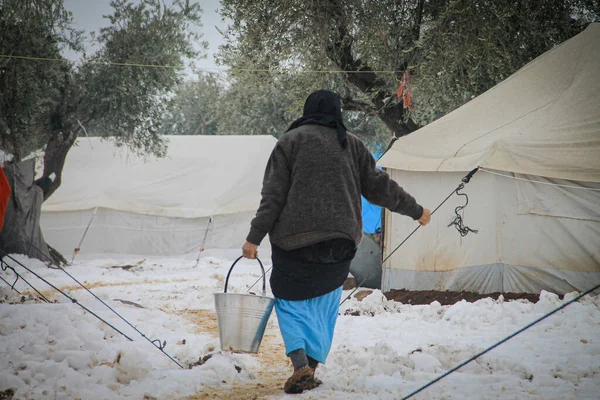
(121, 90)
(230, 106)
(350, 39)
(472, 46)
(238, 105)
(29, 88)
(372, 131)
(194, 107)
(263, 106)
(128, 102)
(452, 49)
(294, 33)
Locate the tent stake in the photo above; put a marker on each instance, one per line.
(210, 220)
(76, 251)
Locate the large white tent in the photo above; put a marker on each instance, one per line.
(536, 199)
(157, 206)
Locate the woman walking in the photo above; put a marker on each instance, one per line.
(311, 209)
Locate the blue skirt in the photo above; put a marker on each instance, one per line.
(309, 324)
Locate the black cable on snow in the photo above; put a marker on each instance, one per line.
(73, 300)
(4, 266)
(500, 342)
(160, 346)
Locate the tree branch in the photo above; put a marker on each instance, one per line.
(59, 143)
(339, 51)
(349, 104)
(418, 21)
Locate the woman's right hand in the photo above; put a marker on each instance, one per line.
(250, 250)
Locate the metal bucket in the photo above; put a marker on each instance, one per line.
(242, 318)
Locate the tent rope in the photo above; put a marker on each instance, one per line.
(159, 346)
(4, 266)
(464, 181)
(72, 299)
(12, 286)
(500, 342)
(265, 275)
(206, 69)
(458, 220)
(536, 181)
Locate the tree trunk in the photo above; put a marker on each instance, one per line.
(57, 257)
(392, 117)
(58, 145)
(21, 232)
(339, 51)
(55, 156)
(57, 148)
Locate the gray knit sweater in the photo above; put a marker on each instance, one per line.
(312, 186)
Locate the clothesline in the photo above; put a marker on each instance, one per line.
(207, 69)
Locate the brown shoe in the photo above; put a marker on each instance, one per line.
(312, 383)
(302, 379)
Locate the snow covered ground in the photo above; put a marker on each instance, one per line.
(59, 351)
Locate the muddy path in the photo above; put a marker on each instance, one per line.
(52, 294)
(269, 376)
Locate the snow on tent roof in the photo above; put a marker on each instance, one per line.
(200, 176)
(543, 120)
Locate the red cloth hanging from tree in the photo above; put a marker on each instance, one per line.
(404, 91)
(4, 196)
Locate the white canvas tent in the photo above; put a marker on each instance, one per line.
(158, 206)
(537, 129)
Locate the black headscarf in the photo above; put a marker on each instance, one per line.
(323, 108)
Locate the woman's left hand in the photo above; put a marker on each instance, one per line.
(250, 250)
(425, 218)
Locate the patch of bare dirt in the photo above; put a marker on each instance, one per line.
(349, 283)
(126, 283)
(360, 295)
(205, 321)
(422, 297)
(269, 376)
(7, 394)
(53, 294)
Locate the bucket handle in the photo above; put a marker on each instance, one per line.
(264, 288)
